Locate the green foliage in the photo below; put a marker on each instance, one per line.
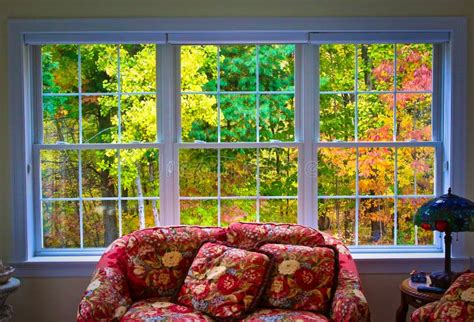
(234, 93)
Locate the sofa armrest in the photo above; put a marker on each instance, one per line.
(107, 297)
(349, 303)
(422, 314)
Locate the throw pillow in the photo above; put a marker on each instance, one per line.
(302, 278)
(225, 282)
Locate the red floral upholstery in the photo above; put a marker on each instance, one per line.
(140, 269)
(456, 305)
(349, 303)
(223, 281)
(161, 309)
(248, 235)
(302, 278)
(279, 315)
(158, 258)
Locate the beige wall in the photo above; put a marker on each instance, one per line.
(55, 299)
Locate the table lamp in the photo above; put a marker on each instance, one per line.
(447, 213)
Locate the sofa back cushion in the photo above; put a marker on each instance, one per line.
(302, 277)
(158, 258)
(248, 235)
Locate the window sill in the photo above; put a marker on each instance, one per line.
(395, 263)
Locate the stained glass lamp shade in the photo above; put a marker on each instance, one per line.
(447, 213)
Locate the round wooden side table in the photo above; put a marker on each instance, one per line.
(6, 289)
(410, 296)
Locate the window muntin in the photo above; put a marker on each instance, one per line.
(98, 151)
(237, 94)
(269, 108)
(376, 153)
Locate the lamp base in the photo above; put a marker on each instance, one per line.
(443, 279)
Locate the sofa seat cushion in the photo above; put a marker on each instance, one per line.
(280, 315)
(157, 309)
(248, 235)
(158, 258)
(302, 277)
(225, 282)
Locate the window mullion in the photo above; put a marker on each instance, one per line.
(307, 124)
(168, 109)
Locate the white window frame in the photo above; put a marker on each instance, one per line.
(230, 30)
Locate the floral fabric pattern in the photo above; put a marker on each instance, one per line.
(157, 309)
(152, 263)
(248, 235)
(349, 303)
(223, 281)
(107, 296)
(159, 257)
(279, 315)
(456, 305)
(302, 277)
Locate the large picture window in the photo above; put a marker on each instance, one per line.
(346, 132)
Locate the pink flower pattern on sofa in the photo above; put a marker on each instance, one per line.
(145, 265)
(456, 305)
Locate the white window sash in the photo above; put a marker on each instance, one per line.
(378, 37)
(95, 38)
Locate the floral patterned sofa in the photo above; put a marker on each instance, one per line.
(139, 273)
(456, 305)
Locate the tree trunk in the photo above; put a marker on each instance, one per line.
(141, 206)
(156, 213)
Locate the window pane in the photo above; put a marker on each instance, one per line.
(238, 172)
(415, 170)
(237, 68)
(278, 172)
(375, 117)
(99, 68)
(198, 173)
(138, 68)
(376, 171)
(276, 67)
(337, 217)
(337, 117)
(238, 118)
(414, 67)
(199, 118)
(376, 67)
(138, 118)
(59, 174)
(131, 217)
(140, 172)
(376, 221)
(237, 210)
(199, 212)
(59, 68)
(279, 210)
(337, 67)
(61, 224)
(199, 68)
(99, 120)
(408, 233)
(336, 171)
(99, 173)
(60, 119)
(100, 220)
(414, 117)
(277, 114)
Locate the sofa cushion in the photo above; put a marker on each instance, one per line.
(158, 258)
(457, 303)
(302, 278)
(248, 235)
(154, 309)
(224, 282)
(279, 315)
